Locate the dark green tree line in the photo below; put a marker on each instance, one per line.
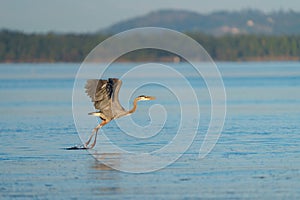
(52, 47)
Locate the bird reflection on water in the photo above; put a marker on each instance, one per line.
(106, 173)
(112, 161)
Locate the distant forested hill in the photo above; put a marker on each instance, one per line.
(217, 23)
(228, 36)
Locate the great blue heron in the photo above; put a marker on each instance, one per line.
(104, 94)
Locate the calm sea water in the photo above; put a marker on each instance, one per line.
(257, 155)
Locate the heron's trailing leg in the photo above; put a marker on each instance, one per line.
(94, 133)
(95, 130)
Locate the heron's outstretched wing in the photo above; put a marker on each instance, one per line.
(100, 92)
(104, 94)
(117, 108)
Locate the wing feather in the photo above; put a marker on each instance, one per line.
(104, 94)
(116, 106)
(100, 93)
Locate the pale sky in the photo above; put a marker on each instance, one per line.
(92, 15)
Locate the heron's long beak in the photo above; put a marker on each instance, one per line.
(151, 98)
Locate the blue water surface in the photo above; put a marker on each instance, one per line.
(257, 155)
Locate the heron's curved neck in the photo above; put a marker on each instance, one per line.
(134, 106)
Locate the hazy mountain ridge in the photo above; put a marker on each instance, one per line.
(217, 23)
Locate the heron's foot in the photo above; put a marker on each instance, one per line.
(87, 146)
(87, 143)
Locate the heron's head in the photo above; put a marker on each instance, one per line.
(145, 98)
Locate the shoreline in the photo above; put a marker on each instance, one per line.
(165, 59)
